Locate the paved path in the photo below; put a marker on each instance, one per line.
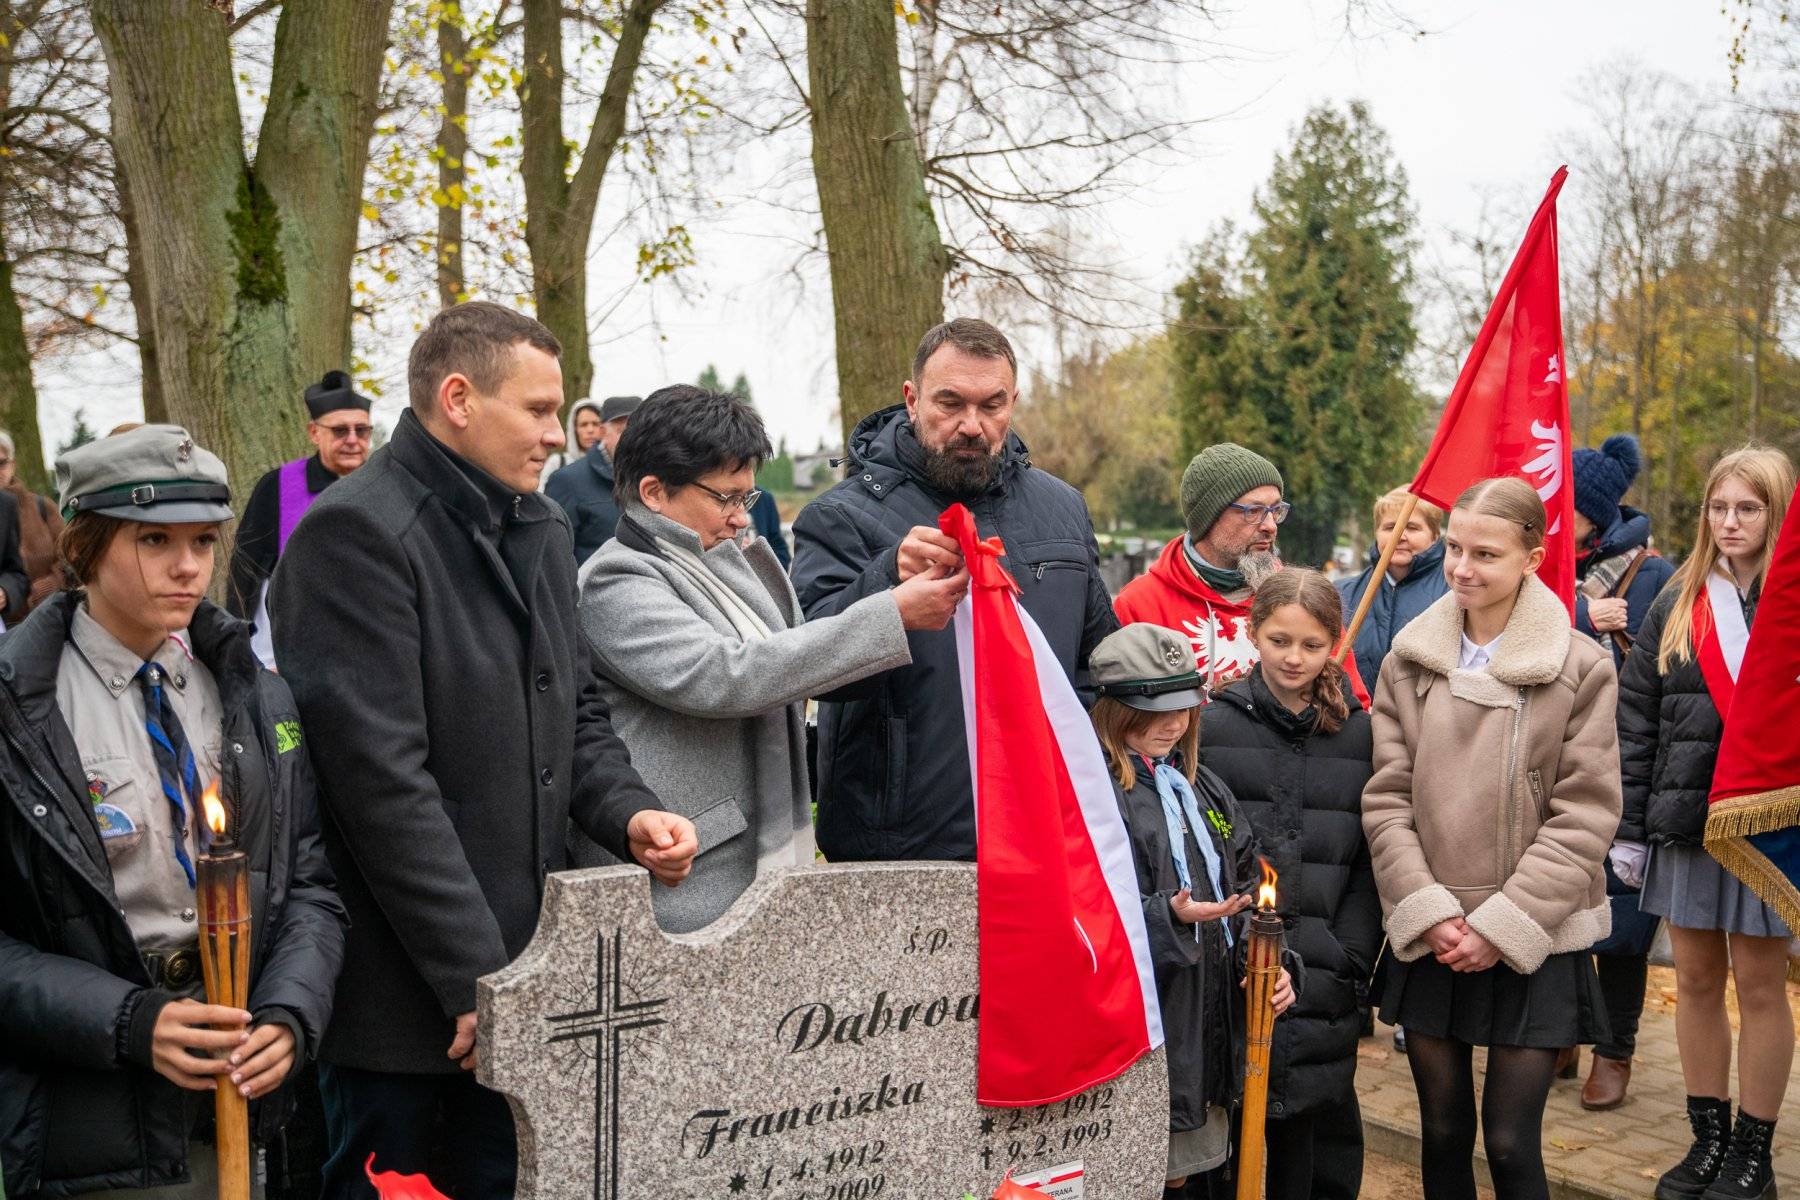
(1610, 1155)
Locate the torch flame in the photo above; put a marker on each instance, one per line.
(1265, 892)
(215, 811)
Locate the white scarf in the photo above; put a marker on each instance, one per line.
(1728, 616)
(749, 626)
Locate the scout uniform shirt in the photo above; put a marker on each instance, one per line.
(101, 699)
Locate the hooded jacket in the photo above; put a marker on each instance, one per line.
(1170, 594)
(1630, 532)
(571, 451)
(893, 751)
(1302, 791)
(1496, 792)
(1395, 604)
(81, 1108)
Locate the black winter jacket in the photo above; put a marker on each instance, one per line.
(81, 1110)
(893, 754)
(1392, 607)
(1303, 794)
(584, 489)
(452, 685)
(1669, 731)
(1630, 531)
(1196, 979)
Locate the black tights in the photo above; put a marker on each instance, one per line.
(1512, 1117)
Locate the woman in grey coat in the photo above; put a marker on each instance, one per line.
(707, 660)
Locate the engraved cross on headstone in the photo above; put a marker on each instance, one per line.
(607, 1023)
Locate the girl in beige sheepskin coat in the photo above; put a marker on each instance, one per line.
(1493, 802)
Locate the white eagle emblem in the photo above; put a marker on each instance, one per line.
(1546, 470)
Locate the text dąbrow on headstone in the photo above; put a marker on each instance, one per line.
(816, 1043)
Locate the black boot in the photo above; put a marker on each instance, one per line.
(1710, 1119)
(1748, 1173)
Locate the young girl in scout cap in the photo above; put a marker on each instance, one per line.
(1196, 862)
(120, 699)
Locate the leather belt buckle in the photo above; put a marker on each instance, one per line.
(176, 970)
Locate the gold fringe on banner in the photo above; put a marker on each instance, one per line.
(1729, 826)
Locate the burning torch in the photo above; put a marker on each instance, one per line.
(1262, 971)
(223, 883)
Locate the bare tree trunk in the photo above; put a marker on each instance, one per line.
(249, 268)
(559, 209)
(453, 148)
(19, 410)
(18, 391)
(137, 282)
(887, 261)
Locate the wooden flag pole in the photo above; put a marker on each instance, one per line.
(1375, 578)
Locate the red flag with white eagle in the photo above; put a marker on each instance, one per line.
(1068, 997)
(1509, 411)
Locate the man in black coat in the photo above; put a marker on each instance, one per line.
(435, 653)
(893, 753)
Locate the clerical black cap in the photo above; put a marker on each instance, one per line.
(332, 393)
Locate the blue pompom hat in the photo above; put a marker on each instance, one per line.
(1603, 476)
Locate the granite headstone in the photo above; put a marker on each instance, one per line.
(816, 1043)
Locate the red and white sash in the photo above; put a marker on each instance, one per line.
(1720, 638)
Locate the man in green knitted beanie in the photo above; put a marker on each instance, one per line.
(1231, 504)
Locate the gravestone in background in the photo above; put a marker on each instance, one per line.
(817, 1043)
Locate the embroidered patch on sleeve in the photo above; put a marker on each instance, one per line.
(287, 736)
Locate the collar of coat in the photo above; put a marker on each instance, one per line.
(1532, 650)
(883, 450)
(435, 466)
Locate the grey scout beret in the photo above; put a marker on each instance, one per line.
(1146, 667)
(152, 473)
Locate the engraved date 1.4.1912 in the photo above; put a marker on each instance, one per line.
(851, 1172)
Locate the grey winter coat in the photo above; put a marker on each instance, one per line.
(715, 721)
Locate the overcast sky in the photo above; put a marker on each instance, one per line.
(1483, 104)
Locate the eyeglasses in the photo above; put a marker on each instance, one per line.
(1747, 513)
(341, 432)
(1253, 514)
(744, 500)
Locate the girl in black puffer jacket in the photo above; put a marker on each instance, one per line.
(1669, 731)
(1294, 747)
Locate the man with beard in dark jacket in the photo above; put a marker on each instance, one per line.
(441, 662)
(893, 753)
